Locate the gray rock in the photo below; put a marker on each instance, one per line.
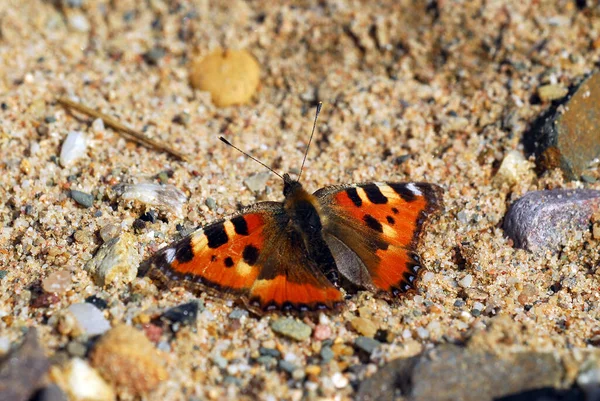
(50, 393)
(21, 371)
(450, 373)
(567, 135)
(366, 344)
(543, 220)
(291, 328)
(83, 198)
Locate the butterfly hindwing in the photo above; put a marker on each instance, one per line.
(373, 230)
(249, 256)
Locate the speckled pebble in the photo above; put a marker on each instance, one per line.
(57, 282)
(89, 318)
(291, 328)
(129, 360)
(116, 262)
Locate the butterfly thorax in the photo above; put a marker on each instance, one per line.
(302, 208)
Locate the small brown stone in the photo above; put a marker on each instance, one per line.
(231, 76)
(364, 326)
(126, 357)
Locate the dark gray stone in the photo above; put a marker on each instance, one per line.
(22, 370)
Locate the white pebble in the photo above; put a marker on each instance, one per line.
(422, 333)
(73, 148)
(478, 306)
(79, 23)
(165, 196)
(85, 383)
(98, 125)
(89, 318)
(339, 380)
(466, 281)
(4, 345)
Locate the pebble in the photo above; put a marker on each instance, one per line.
(3, 273)
(287, 366)
(291, 328)
(73, 148)
(89, 319)
(57, 282)
(230, 76)
(22, 370)
(339, 380)
(326, 354)
(116, 262)
(422, 333)
(79, 22)
(211, 203)
(366, 344)
(544, 220)
(109, 232)
(269, 352)
(514, 168)
(257, 182)
(364, 326)
(97, 302)
(82, 198)
(552, 92)
(166, 197)
(322, 332)
(98, 125)
(238, 313)
(184, 314)
(75, 348)
(82, 382)
(129, 360)
(267, 361)
(466, 281)
(566, 137)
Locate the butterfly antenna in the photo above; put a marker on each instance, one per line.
(226, 142)
(310, 140)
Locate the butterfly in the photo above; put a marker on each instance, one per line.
(302, 254)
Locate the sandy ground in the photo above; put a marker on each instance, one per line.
(452, 85)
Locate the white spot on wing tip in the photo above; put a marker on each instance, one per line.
(170, 255)
(413, 188)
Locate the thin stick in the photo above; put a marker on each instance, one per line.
(226, 142)
(131, 133)
(310, 140)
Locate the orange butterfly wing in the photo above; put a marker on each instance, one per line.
(250, 256)
(373, 231)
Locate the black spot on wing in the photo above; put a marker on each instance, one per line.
(353, 195)
(373, 223)
(216, 235)
(250, 254)
(213, 258)
(228, 261)
(390, 220)
(403, 191)
(374, 194)
(184, 252)
(240, 225)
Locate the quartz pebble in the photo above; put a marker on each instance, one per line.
(543, 220)
(57, 282)
(116, 261)
(82, 382)
(363, 326)
(230, 76)
(514, 168)
(129, 360)
(466, 281)
(73, 148)
(291, 328)
(89, 318)
(165, 197)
